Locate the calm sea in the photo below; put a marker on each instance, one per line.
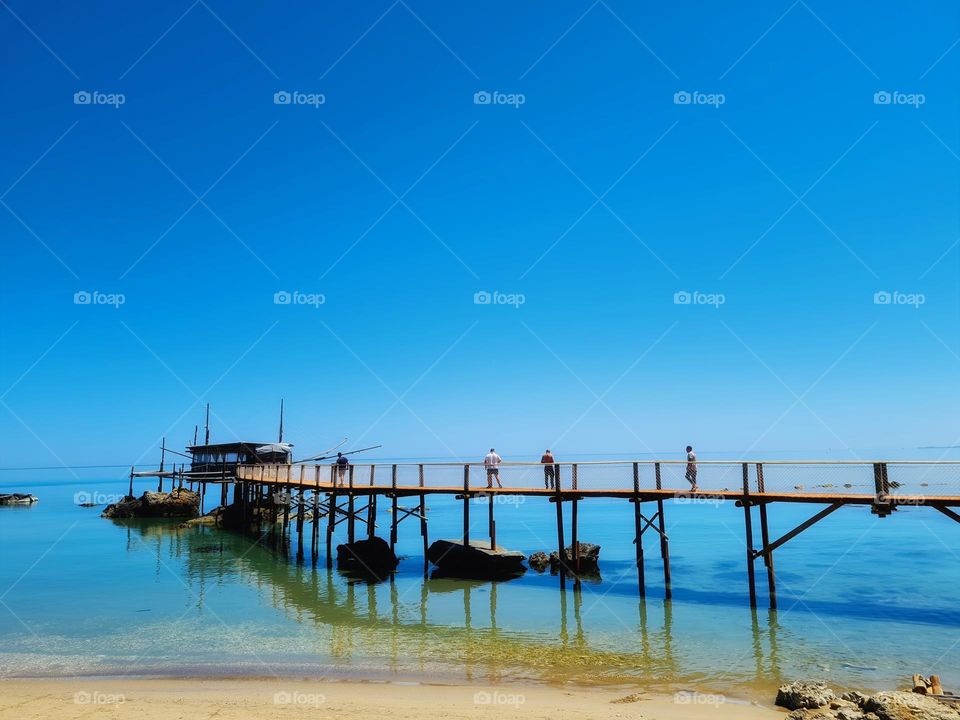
(864, 601)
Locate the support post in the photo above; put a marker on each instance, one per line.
(638, 532)
(561, 545)
(423, 524)
(491, 523)
(574, 540)
(393, 508)
(664, 542)
(466, 505)
(768, 557)
(748, 523)
(350, 508)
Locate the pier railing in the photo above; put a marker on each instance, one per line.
(834, 478)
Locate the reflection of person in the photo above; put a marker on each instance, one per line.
(692, 468)
(492, 463)
(549, 471)
(342, 465)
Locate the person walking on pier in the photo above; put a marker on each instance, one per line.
(692, 468)
(549, 471)
(342, 465)
(492, 463)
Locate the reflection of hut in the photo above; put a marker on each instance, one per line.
(223, 458)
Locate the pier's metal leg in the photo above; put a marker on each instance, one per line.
(638, 540)
(560, 543)
(574, 540)
(748, 523)
(394, 521)
(768, 557)
(664, 553)
(331, 520)
(423, 532)
(491, 523)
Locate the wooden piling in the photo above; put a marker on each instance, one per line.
(393, 508)
(350, 511)
(466, 505)
(664, 541)
(491, 523)
(423, 523)
(765, 539)
(748, 524)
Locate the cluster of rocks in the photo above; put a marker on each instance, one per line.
(180, 503)
(589, 559)
(816, 701)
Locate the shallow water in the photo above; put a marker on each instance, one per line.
(864, 601)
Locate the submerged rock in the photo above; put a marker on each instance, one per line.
(477, 561)
(176, 504)
(211, 519)
(589, 557)
(804, 695)
(371, 556)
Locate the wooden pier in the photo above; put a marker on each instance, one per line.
(331, 497)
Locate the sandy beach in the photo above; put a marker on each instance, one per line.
(166, 699)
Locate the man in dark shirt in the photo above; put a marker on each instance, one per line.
(549, 471)
(342, 465)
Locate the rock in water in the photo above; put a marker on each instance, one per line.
(18, 499)
(589, 557)
(181, 503)
(800, 695)
(477, 561)
(372, 556)
(909, 706)
(539, 561)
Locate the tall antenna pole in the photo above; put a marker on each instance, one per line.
(281, 421)
(195, 434)
(206, 433)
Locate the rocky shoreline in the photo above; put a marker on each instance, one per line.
(817, 701)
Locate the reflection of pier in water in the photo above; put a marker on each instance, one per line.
(390, 622)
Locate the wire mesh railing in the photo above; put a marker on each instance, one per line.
(833, 478)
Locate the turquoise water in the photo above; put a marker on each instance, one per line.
(864, 601)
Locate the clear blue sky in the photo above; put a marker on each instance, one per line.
(796, 199)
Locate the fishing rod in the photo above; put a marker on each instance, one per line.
(318, 458)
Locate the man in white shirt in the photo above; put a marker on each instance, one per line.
(692, 468)
(492, 463)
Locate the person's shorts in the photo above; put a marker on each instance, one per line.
(492, 471)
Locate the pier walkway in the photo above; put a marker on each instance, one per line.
(325, 494)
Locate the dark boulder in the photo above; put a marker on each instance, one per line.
(180, 503)
(369, 557)
(589, 558)
(539, 561)
(476, 561)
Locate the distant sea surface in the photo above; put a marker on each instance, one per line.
(864, 601)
